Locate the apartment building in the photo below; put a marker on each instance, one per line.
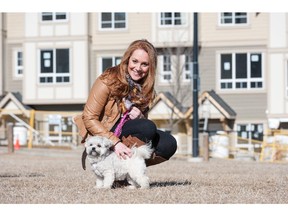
(50, 61)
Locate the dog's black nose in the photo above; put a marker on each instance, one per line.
(93, 149)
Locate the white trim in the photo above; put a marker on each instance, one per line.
(162, 72)
(233, 21)
(10, 98)
(186, 72)
(53, 74)
(112, 21)
(233, 80)
(16, 67)
(249, 132)
(184, 17)
(114, 63)
(54, 20)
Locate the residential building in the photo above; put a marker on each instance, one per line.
(49, 62)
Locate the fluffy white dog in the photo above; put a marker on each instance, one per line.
(108, 167)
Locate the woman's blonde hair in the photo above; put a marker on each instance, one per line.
(117, 75)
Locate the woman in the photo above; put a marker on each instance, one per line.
(118, 105)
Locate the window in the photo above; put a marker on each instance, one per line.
(241, 71)
(113, 20)
(172, 19)
(62, 125)
(187, 66)
(18, 63)
(49, 16)
(228, 18)
(166, 74)
(110, 62)
(250, 132)
(54, 66)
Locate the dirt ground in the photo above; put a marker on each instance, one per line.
(50, 176)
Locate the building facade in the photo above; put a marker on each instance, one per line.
(52, 60)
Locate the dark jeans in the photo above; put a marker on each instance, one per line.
(164, 143)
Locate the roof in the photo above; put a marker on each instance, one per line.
(170, 102)
(18, 96)
(186, 112)
(222, 103)
(175, 102)
(13, 100)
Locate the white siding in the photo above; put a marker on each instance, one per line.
(276, 84)
(61, 30)
(31, 24)
(77, 90)
(63, 92)
(45, 93)
(278, 30)
(46, 31)
(78, 24)
(30, 78)
(80, 71)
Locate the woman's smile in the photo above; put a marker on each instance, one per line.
(138, 65)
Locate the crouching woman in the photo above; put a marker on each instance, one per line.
(118, 105)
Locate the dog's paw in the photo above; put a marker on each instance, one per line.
(102, 187)
(145, 187)
(99, 187)
(131, 187)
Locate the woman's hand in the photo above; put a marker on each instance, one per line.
(135, 113)
(122, 151)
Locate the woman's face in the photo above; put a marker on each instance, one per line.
(138, 65)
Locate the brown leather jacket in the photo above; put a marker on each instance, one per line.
(100, 113)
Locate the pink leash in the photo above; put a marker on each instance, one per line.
(124, 119)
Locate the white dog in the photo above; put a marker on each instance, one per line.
(108, 167)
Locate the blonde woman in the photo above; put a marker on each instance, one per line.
(118, 105)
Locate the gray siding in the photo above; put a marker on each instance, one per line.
(207, 69)
(247, 106)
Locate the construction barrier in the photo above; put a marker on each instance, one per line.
(40, 128)
(54, 128)
(275, 147)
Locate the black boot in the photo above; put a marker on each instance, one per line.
(155, 159)
(130, 141)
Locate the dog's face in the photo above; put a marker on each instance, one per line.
(97, 145)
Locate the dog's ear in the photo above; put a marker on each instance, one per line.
(84, 155)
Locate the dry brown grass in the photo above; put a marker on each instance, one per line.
(49, 176)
